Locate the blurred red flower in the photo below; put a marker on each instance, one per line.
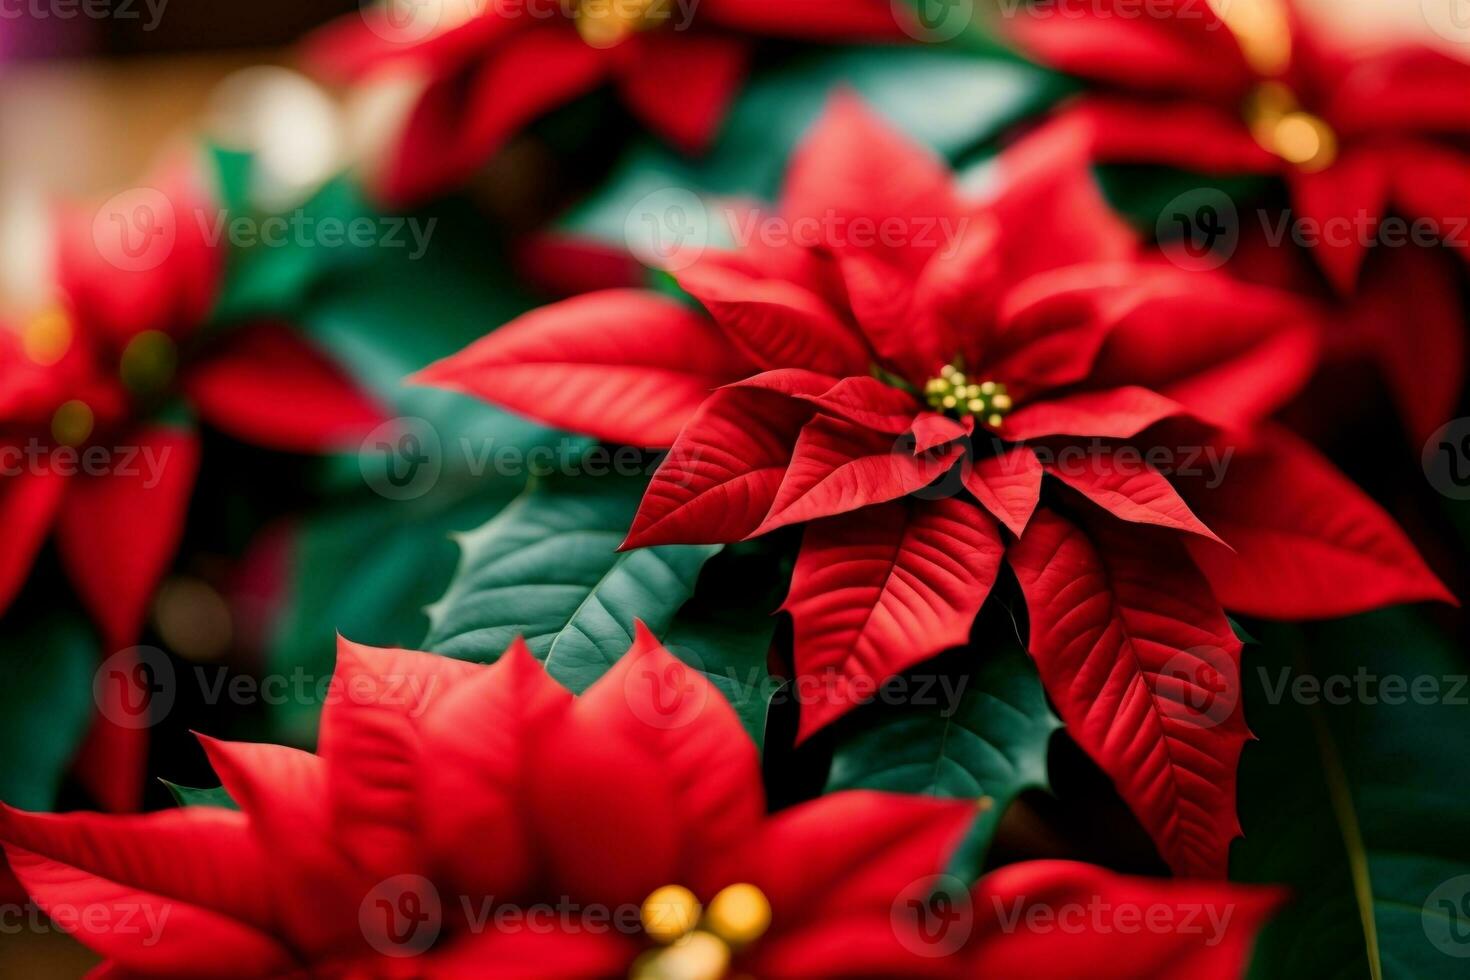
(1250, 86)
(97, 398)
(491, 68)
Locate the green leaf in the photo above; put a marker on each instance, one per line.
(963, 736)
(547, 568)
(190, 796)
(46, 704)
(1351, 797)
(725, 631)
(953, 101)
(366, 569)
(271, 268)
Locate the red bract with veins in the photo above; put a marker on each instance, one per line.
(1249, 86)
(442, 830)
(487, 70)
(96, 438)
(929, 408)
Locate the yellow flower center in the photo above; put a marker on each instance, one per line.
(606, 23)
(1283, 127)
(953, 392)
(694, 946)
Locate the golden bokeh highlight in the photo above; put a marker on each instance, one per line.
(47, 336)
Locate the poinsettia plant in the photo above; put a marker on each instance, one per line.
(929, 415)
(442, 827)
(102, 391)
(1373, 146)
(1046, 695)
(486, 71)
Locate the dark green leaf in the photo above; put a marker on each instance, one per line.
(46, 704)
(548, 569)
(1352, 798)
(189, 796)
(981, 734)
(367, 570)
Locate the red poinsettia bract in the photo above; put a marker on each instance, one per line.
(1250, 87)
(489, 69)
(97, 447)
(470, 820)
(1027, 393)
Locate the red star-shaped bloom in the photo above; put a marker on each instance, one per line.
(89, 460)
(469, 820)
(1250, 86)
(928, 407)
(492, 68)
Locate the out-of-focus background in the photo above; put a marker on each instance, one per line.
(92, 91)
